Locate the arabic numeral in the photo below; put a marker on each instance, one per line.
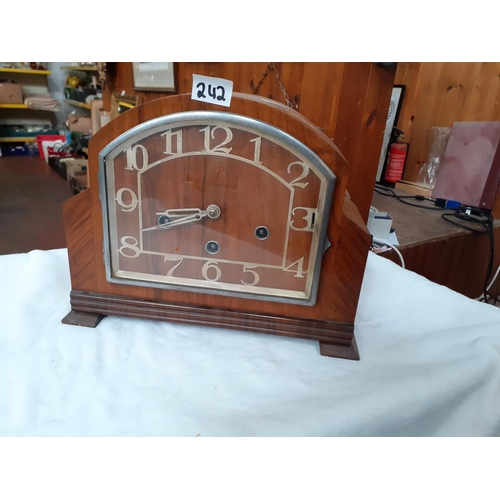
(221, 97)
(201, 92)
(256, 156)
(132, 156)
(299, 271)
(211, 266)
(303, 174)
(127, 207)
(129, 244)
(169, 135)
(256, 277)
(210, 133)
(173, 258)
(213, 91)
(309, 218)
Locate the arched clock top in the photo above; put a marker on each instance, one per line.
(259, 108)
(210, 122)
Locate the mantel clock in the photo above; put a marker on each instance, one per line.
(234, 218)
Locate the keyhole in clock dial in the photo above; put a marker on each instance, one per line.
(262, 233)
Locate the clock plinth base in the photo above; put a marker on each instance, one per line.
(77, 318)
(340, 351)
(336, 338)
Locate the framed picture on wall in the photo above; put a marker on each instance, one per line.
(154, 76)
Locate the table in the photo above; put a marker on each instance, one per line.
(430, 366)
(436, 249)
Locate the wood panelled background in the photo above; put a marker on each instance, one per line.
(438, 94)
(349, 101)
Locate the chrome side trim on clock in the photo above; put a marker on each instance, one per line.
(161, 124)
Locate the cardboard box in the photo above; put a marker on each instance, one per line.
(76, 169)
(11, 93)
(78, 182)
(58, 164)
(75, 165)
(79, 123)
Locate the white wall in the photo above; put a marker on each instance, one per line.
(56, 82)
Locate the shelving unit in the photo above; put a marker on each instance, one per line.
(86, 96)
(32, 82)
(79, 68)
(78, 104)
(17, 139)
(25, 71)
(14, 106)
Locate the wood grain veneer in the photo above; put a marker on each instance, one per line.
(330, 320)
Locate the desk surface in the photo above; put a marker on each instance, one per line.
(414, 225)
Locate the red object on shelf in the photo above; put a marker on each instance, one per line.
(396, 161)
(48, 141)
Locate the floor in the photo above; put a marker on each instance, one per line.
(31, 197)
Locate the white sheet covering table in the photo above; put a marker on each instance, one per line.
(430, 366)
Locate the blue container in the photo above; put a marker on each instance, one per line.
(19, 149)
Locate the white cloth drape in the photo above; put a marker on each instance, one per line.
(430, 366)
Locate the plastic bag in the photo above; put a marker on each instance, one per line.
(428, 172)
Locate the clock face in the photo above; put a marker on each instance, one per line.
(218, 203)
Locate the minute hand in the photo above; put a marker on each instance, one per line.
(186, 216)
(178, 219)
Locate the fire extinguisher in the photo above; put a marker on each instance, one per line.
(396, 160)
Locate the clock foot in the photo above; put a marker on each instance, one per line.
(340, 351)
(76, 318)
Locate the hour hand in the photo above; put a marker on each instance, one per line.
(177, 216)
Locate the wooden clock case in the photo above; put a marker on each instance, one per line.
(330, 321)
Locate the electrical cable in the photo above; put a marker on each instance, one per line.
(389, 192)
(497, 289)
(494, 277)
(394, 248)
(464, 213)
(491, 283)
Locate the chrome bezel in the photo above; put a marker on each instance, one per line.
(160, 124)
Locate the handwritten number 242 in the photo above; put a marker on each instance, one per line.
(212, 91)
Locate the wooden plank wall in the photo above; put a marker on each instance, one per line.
(349, 101)
(438, 94)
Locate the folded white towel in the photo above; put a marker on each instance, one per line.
(43, 102)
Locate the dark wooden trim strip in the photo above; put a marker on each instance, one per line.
(114, 305)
